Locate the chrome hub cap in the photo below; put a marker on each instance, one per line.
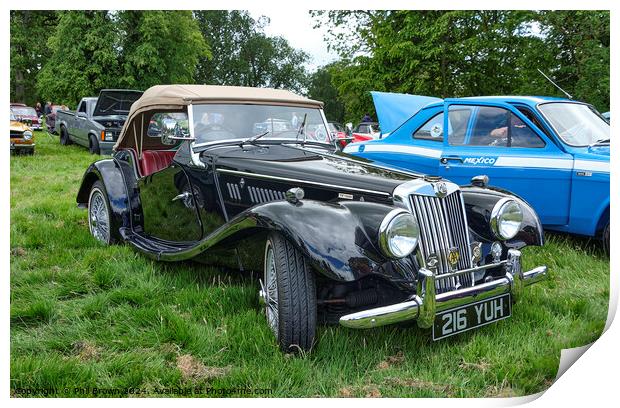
(269, 290)
(98, 221)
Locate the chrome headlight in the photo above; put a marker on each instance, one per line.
(398, 234)
(506, 218)
(27, 135)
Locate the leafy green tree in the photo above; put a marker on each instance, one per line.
(93, 50)
(159, 47)
(465, 53)
(244, 55)
(579, 42)
(320, 87)
(84, 57)
(227, 32)
(29, 52)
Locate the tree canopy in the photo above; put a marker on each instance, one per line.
(320, 88)
(467, 53)
(244, 55)
(29, 51)
(92, 50)
(65, 55)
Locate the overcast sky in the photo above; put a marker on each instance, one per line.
(296, 26)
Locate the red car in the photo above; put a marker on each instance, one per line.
(26, 114)
(366, 131)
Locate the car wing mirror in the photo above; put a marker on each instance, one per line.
(172, 131)
(349, 128)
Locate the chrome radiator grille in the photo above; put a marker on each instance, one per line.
(443, 227)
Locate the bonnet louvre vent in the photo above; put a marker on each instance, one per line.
(263, 195)
(233, 191)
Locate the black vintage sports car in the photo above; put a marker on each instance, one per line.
(221, 174)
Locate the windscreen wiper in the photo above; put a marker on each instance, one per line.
(302, 127)
(601, 142)
(253, 139)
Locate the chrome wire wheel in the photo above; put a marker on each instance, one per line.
(99, 216)
(269, 290)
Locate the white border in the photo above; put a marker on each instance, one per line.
(591, 381)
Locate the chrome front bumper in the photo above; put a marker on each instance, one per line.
(426, 303)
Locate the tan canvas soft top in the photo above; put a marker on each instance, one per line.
(177, 97)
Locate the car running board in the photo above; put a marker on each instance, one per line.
(153, 246)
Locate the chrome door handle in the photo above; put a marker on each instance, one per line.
(446, 159)
(183, 196)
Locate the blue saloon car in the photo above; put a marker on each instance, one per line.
(552, 152)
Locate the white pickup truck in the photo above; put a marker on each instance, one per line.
(97, 121)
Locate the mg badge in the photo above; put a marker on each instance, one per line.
(453, 256)
(441, 189)
(242, 183)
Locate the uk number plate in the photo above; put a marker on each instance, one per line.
(471, 316)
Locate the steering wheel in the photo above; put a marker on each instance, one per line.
(212, 131)
(499, 141)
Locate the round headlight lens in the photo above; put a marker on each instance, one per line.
(506, 218)
(27, 135)
(398, 234)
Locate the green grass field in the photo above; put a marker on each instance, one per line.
(84, 315)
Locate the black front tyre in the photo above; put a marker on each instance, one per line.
(288, 291)
(93, 145)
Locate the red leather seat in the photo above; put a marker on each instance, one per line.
(155, 160)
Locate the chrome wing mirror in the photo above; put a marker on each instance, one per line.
(172, 131)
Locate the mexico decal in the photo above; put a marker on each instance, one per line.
(480, 160)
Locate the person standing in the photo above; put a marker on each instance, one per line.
(294, 120)
(366, 118)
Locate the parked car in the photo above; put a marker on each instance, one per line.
(50, 118)
(366, 131)
(552, 152)
(97, 121)
(27, 114)
(22, 138)
(335, 239)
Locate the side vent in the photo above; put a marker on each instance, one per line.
(233, 191)
(263, 195)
